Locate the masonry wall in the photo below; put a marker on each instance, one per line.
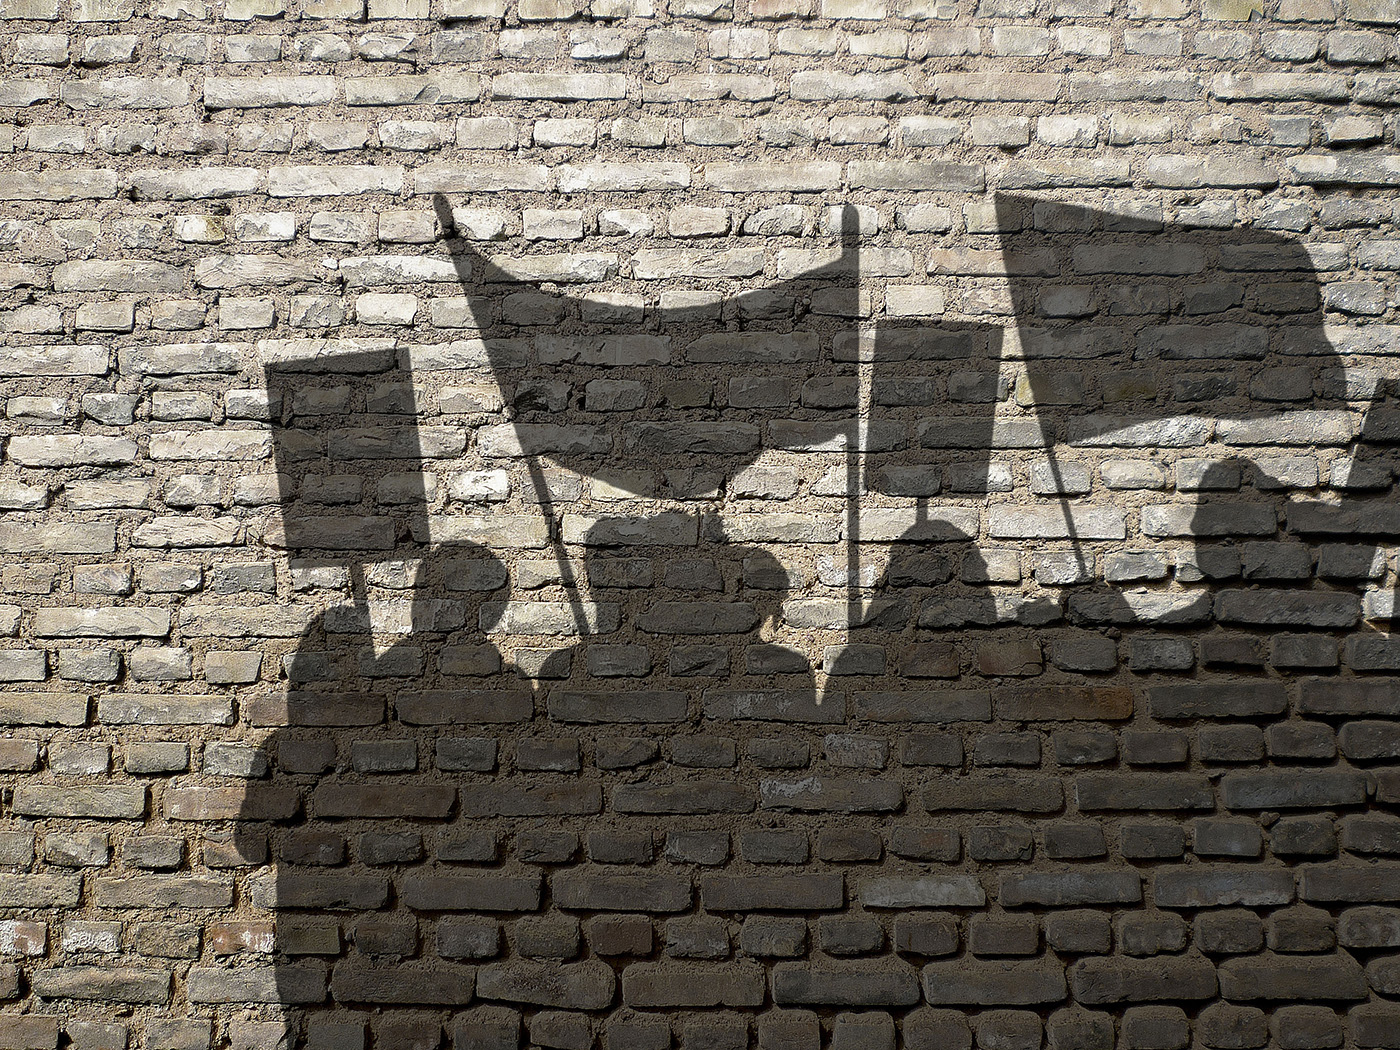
(785, 524)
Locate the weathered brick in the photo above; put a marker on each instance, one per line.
(928, 891)
(470, 892)
(1293, 978)
(748, 177)
(1117, 980)
(1081, 523)
(349, 801)
(774, 705)
(985, 87)
(1020, 794)
(1055, 703)
(40, 891)
(335, 891)
(47, 708)
(1241, 86)
(1068, 888)
(264, 91)
(59, 185)
(296, 983)
(102, 984)
(81, 360)
(689, 797)
(689, 985)
(995, 982)
(405, 983)
(62, 450)
(250, 802)
(772, 893)
(831, 795)
(172, 709)
(1222, 699)
(112, 802)
(1349, 883)
(497, 800)
(929, 705)
(563, 86)
(915, 175)
(628, 178)
(1349, 696)
(1210, 886)
(31, 1032)
(164, 891)
(1293, 790)
(850, 984)
(598, 892)
(580, 986)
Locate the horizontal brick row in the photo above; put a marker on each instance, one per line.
(315, 181)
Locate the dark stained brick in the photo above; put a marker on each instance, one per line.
(883, 983)
(995, 982)
(1101, 981)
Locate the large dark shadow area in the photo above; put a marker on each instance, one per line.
(454, 727)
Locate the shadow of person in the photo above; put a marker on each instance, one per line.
(382, 692)
(363, 736)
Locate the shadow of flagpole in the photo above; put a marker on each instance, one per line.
(465, 260)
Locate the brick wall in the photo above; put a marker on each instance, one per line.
(798, 523)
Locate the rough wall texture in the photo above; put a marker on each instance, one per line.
(783, 523)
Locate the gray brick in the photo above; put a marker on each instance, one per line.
(860, 985)
(690, 985)
(729, 893)
(1071, 888)
(116, 801)
(1104, 981)
(586, 985)
(1294, 789)
(1270, 976)
(1030, 982)
(100, 984)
